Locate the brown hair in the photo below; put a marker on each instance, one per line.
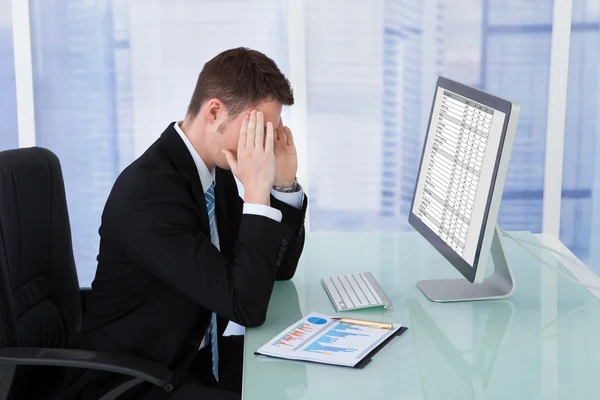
(240, 78)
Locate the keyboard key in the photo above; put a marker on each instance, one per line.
(359, 293)
(343, 292)
(348, 285)
(348, 288)
(372, 289)
(361, 282)
(333, 290)
(335, 295)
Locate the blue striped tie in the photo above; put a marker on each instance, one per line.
(209, 196)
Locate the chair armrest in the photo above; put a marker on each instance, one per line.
(119, 363)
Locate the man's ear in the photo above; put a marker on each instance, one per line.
(213, 109)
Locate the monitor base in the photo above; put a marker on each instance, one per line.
(499, 285)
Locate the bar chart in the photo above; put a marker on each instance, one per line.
(295, 335)
(342, 338)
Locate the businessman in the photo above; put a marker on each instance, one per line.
(181, 254)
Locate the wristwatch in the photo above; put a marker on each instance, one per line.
(287, 189)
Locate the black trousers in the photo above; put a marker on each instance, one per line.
(199, 382)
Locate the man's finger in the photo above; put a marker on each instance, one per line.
(251, 130)
(280, 133)
(270, 140)
(288, 136)
(259, 141)
(243, 130)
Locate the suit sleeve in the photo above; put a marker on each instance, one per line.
(160, 233)
(292, 218)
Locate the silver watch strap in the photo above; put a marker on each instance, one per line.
(288, 189)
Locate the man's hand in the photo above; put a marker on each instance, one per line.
(255, 164)
(286, 159)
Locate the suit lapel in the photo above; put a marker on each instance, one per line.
(185, 165)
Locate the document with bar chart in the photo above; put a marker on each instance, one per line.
(319, 338)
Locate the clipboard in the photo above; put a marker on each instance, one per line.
(369, 357)
(333, 343)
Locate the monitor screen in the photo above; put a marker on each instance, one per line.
(457, 171)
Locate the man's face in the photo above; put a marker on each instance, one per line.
(228, 132)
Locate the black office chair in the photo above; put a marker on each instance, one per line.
(40, 303)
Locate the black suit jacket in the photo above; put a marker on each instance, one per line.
(159, 277)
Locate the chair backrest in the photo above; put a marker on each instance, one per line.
(40, 305)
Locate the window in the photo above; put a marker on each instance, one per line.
(109, 76)
(8, 98)
(371, 73)
(580, 206)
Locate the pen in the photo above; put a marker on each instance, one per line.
(362, 322)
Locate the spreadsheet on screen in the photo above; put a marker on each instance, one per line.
(457, 170)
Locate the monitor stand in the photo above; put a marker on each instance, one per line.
(499, 285)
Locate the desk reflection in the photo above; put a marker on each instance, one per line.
(459, 355)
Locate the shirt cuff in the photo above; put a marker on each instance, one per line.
(294, 199)
(262, 210)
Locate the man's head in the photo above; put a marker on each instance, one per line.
(229, 86)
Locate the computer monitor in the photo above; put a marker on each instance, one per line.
(459, 187)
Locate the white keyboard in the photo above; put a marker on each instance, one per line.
(353, 291)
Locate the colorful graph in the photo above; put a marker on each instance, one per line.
(296, 334)
(317, 320)
(338, 340)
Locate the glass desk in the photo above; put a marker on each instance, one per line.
(541, 343)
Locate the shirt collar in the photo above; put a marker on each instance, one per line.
(206, 177)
